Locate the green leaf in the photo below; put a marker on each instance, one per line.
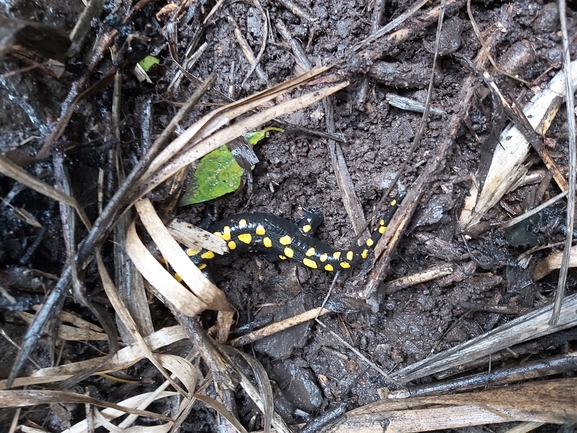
(218, 173)
(148, 62)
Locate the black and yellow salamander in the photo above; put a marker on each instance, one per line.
(276, 236)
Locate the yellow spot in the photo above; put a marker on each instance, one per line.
(177, 277)
(337, 254)
(369, 242)
(190, 252)
(208, 255)
(202, 266)
(310, 252)
(267, 242)
(163, 261)
(350, 255)
(345, 265)
(289, 252)
(225, 234)
(281, 257)
(394, 203)
(232, 245)
(329, 268)
(307, 228)
(382, 230)
(382, 222)
(324, 257)
(310, 263)
(242, 223)
(260, 230)
(245, 238)
(365, 254)
(285, 240)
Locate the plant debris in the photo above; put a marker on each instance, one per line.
(463, 317)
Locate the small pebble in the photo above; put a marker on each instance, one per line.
(450, 39)
(517, 57)
(554, 56)
(548, 19)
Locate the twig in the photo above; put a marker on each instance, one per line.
(532, 212)
(383, 242)
(376, 16)
(376, 34)
(356, 352)
(101, 228)
(572, 162)
(263, 45)
(402, 35)
(407, 208)
(248, 53)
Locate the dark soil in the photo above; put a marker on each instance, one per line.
(314, 371)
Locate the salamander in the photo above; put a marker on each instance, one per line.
(277, 236)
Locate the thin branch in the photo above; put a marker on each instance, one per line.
(572, 161)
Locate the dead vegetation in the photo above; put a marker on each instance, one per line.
(169, 368)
